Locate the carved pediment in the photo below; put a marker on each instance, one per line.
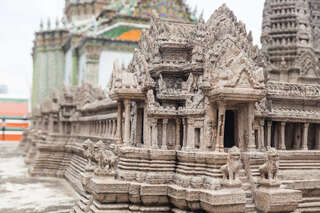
(122, 78)
(232, 67)
(307, 64)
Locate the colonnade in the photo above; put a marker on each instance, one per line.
(101, 128)
(276, 133)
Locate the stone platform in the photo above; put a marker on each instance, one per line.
(20, 193)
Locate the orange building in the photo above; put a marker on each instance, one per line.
(13, 118)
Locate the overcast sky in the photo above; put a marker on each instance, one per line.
(20, 19)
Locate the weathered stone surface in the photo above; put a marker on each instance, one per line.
(277, 199)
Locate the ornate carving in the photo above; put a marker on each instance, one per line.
(106, 159)
(269, 170)
(231, 170)
(88, 152)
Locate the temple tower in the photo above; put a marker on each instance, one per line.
(289, 38)
(82, 10)
(48, 61)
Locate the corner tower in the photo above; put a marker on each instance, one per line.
(81, 10)
(290, 32)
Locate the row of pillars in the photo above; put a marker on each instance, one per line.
(188, 140)
(103, 128)
(127, 125)
(298, 144)
(151, 132)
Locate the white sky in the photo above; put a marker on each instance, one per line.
(20, 19)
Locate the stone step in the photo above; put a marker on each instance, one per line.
(309, 204)
(250, 207)
(309, 210)
(300, 163)
(76, 209)
(310, 199)
(299, 168)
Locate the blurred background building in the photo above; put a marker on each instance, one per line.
(13, 117)
(92, 34)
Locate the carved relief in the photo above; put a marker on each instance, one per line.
(231, 170)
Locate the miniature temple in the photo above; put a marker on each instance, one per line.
(201, 120)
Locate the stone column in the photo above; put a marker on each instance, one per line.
(146, 128)
(221, 123)
(190, 139)
(100, 128)
(97, 128)
(164, 134)
(261, 134)
(106, 129)
(114, 129)
(110, 128)
(178, 124)
(317, 144)
(119, 123)
(283, 136)
(154, 136)
(251, 142)
(127, 122)
(184, 146)
(148, 132)
(305, 136)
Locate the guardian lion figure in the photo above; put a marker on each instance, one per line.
(106, 159)
(88, 148)
(269, 170)
(230, 171)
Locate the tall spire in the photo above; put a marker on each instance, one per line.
(49, 24)
(57, 23)
(41, 25)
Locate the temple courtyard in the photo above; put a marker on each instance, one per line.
(20, 193)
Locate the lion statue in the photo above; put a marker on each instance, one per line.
(230, 171)
(269, 170)
(88, 148)
(106, 159)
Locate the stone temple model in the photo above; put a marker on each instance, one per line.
(200, 121)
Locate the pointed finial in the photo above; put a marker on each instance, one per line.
(195, 11)
(41, 25)
(63, 21)
(49, 24)
(250, 37)
(201, 14)
(57, 23)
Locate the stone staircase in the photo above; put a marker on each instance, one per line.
(74, 170)
(309, 205)
(84, 203)
(246, 186)
(299, 164)
(248, 177)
